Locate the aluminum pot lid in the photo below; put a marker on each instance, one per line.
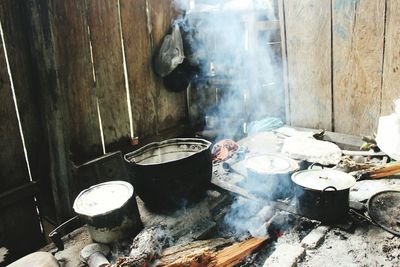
(271, 163)
(103, 198)
(322, 179)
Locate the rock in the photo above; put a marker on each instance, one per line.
(315, 237)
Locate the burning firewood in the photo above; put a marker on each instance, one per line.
(236, 253)
(207, 253)
(192, 254)
(145, 248)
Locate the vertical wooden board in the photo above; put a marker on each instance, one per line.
(358, 28)
(13, 168)
(138, 52)
(391, 68)
(75, 79)
(105, 35)
(13, 15)
(171, 106)
(308, 42)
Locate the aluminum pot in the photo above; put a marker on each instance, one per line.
(269, 175)
(322, 194)
(166, 174)
(110, 211)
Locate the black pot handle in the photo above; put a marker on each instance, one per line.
(56, 235)
(330, 187)
(316, 164)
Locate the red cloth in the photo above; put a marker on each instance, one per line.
(223, 150)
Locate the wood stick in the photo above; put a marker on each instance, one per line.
(236, 253)
(384, 174)
(387, 168)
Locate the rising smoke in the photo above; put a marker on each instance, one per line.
(220, 39)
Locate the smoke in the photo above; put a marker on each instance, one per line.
(226, 50)
(248, 216)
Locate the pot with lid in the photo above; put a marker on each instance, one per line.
(269, 175)
(322, 194)
(110, 210)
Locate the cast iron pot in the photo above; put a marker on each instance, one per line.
(322, 194)
(268, 176)
(169, 173)
(110, 211)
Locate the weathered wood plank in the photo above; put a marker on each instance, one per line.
(138, 52)
(391, 68)
(105, 35)
(171, 106)
(18, 221)
(358, 28)
(13, 15)
(51, 111)
(13, 168)
(308, 42)
(75, 78)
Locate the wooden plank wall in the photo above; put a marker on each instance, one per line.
(391, 66)
(90, 38)
(78, 95)
(358, 39)
(104, 91)
(308, 42)
(19, 220)
(342, 62)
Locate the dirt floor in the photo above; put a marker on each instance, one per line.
(367, 246)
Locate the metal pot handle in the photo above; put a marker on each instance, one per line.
(316, 164)
(56, 235)
(329, 187)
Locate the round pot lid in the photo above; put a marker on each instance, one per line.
(322, 179)
(384, 210)
(103, 198)
(271, 163)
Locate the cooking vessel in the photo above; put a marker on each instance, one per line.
(322, 194)
(268, 175)
(384, 210)
(169, 173)
(110, 211)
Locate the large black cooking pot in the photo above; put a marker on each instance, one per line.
(322, 194)
(169, 173)
(269, 176)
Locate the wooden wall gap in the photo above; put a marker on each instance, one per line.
(128, 96)
(383, 57)
(103, 144)
(101, 133)
(282, 19)
(332, 80)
